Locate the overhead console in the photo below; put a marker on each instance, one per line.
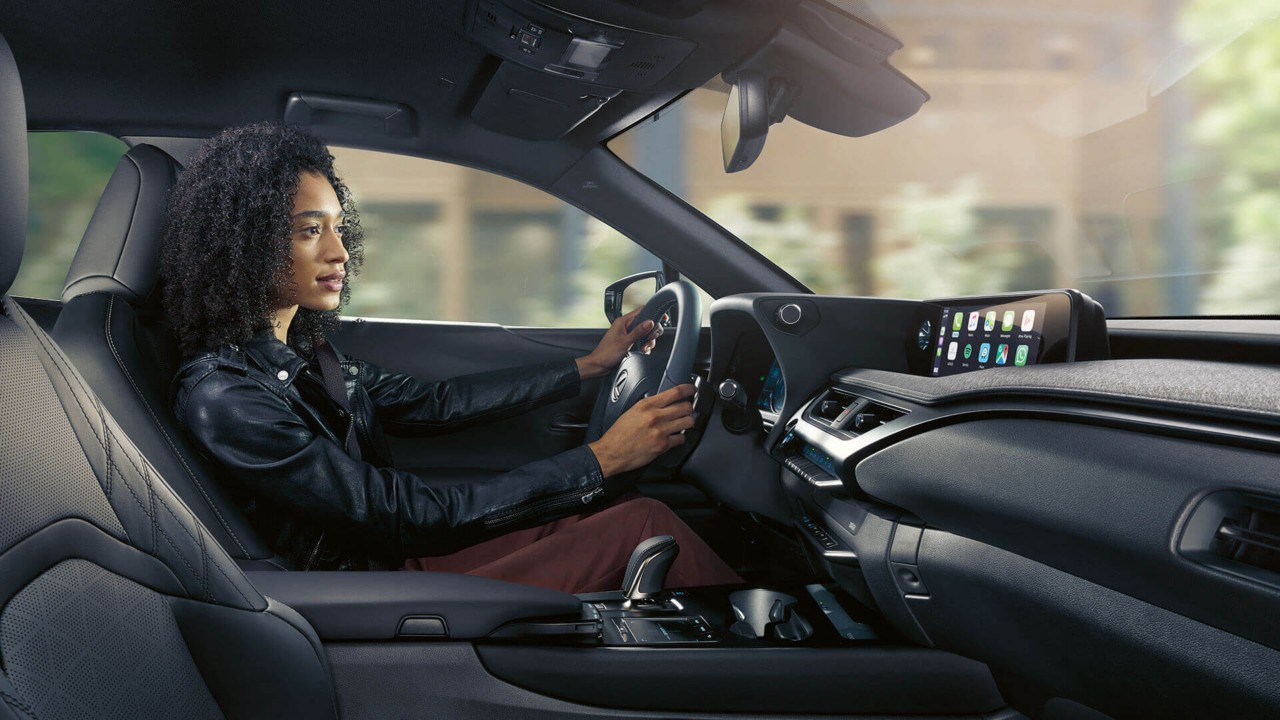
(559, 69)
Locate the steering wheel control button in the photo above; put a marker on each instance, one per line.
(790, 314)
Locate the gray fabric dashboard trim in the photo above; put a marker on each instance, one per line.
(1249, 392)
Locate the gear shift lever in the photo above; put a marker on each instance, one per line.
(647, 569)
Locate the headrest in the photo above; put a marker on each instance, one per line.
(120, 252)
(13, 169)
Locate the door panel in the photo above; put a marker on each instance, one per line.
(436, 351)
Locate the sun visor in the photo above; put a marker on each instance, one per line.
(840, 63)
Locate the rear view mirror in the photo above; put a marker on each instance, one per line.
(745, 123)
(630, 293)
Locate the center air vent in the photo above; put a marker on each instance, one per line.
(832, 407)
(845, 411)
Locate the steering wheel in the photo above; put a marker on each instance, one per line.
(640, 375)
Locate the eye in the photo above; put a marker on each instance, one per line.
(341, 229)
(312, 230)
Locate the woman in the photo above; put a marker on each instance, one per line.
(261, 241)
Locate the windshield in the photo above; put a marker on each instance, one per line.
(1129, 149)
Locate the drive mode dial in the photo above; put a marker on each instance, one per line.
(789, 314)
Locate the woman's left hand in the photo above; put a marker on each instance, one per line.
(615, 344)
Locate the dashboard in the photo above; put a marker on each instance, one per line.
(941, 459)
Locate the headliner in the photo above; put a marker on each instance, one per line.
(186, 69)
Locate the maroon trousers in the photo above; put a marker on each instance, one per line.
(588, 552)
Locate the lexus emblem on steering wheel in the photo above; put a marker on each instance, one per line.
(618, 385)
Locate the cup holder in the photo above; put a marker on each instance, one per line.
(767, 615)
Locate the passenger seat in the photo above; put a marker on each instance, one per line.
(112, 328)
(115, 602)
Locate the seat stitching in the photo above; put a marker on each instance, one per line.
(204, 566)
(58, 364)
(111, 301)
(133, 216)
(14, 702)
(41, 339)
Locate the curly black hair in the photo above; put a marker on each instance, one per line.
(227, 248)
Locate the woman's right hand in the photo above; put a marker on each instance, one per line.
(651, 427)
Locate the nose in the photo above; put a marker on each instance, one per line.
(335, 251)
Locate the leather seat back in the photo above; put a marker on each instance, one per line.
(112, 328)
(115, 601)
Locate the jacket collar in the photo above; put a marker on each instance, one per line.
(279, 361)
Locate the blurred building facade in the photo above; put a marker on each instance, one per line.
(1059, 148)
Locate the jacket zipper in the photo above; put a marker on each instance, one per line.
(559, 501)
(315, 551)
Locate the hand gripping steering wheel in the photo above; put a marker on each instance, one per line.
(640, 375)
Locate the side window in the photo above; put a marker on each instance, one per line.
(444, 242)
(68, 172)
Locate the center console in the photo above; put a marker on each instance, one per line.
(803, 650)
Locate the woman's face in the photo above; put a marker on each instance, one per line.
(315, 226)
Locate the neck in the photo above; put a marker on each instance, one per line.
(280, 321)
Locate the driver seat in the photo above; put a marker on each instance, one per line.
(115, 601)
(114, 331)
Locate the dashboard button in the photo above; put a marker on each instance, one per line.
(790, 314)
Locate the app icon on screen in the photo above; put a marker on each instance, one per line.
(1007, 322)
(939, 352)
(968, 350)
(984, 352)
(957, 322)
(1002, 354)
(1028, 320)
(973, 321)
(990, 323)
(1020, 358)
(951, 351)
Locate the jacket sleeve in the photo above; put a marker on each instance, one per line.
(256, 436)
(407, 406)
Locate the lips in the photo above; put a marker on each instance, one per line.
(332, 282)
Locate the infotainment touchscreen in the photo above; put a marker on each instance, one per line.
(975, 337)
(957, 335)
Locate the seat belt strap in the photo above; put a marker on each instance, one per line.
(331, 373)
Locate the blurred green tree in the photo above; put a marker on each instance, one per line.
(68, 172)
(1236, 92)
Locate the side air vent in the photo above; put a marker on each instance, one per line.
(1254, 540)
(1236, 532)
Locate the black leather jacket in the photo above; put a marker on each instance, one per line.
(261, 412)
